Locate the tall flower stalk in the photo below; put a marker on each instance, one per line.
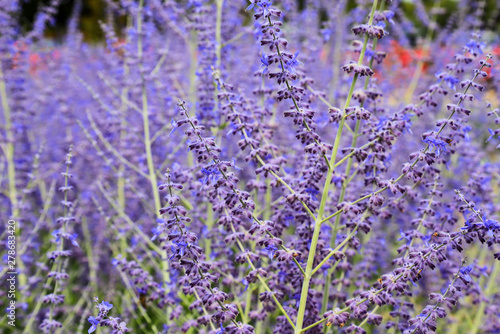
(326, 188)
(282, 197)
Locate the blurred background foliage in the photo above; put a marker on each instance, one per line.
(95, 10)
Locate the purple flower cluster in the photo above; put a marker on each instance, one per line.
(103, 320)
(252, 167)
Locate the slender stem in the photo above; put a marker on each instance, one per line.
(260, 160)
(145, 116)
(492, 284)
(444, 296)
(9, 150)
(124, 99)
(425, 150)
(333, 237)
(129, 221)
(218, 39)
(248, 305)
(395, 279)
(193, 61)
(235, 38)
(63, 229)
(209, 222)
(337, 49)
(420, 223)
(147, 136)
(366, 319)
(425, 52)
(317, 225)
(108, 145)
(93, 265)
(267, 216)
(264, 284)
(342, 244)
(223, 173)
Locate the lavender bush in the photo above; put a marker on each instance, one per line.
(252, 166)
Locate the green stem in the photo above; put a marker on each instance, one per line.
(444, 296)
(204, 309)
(121, 212)
(192, 67)
(333, 238)
(11, 169)
(137, 302)
(342, 244)
(209, 224)
(124, 99)
(147, 136)
(145, 116)
(248, 304)
(9, 150)
(33, 233)
(337, 54)
(325, 195)
(63, 228)
(379, 290)
(218, 27)
(425, 51)
(366, 319)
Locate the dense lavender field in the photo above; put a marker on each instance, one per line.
(248, 167)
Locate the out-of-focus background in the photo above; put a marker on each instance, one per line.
(95, 10)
